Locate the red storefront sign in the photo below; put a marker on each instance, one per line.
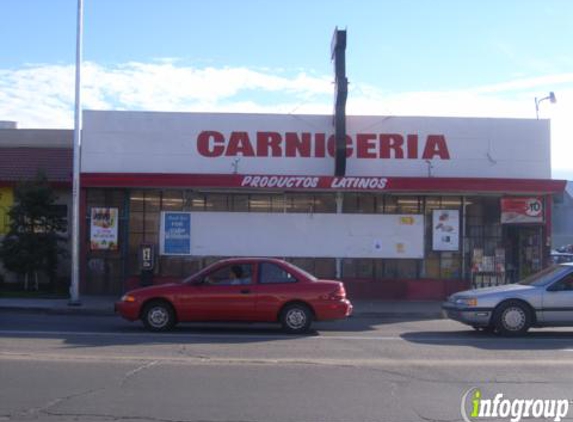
(522, 210)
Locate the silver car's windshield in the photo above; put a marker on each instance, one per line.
(545, 276)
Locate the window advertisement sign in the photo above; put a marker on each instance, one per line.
(521, 210)
(6, 202)
(446, 230)
(175, 233)
(308, 235)
(104, 229)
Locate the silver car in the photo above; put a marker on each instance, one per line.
(544, 299)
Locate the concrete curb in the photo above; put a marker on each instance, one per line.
(76, 310)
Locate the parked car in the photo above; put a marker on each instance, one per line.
(544, 299)
(245, 289)
(560, 257)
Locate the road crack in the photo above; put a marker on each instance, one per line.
(137, 370)
(45, 408)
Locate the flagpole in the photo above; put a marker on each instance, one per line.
(75, 279)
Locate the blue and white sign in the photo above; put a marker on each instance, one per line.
(175, 233)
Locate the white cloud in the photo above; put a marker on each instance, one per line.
(43, 96)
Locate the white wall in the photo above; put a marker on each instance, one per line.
(307, 235)
(150, 142)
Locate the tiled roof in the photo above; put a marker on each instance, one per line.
(17, 164)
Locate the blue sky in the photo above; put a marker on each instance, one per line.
(412, 57)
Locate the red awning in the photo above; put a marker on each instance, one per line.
(323, 183)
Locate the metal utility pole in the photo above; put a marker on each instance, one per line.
(338, 54)
(75, 280)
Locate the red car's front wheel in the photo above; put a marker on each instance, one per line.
(158, 316)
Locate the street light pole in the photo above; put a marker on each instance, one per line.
(552, 99)
(75, 280)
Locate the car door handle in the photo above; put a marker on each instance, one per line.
(245, 291)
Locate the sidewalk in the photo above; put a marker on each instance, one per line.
(103, 306)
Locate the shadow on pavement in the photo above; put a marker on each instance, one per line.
(102, 331)
(534, 340)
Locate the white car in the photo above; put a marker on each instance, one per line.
(544, 299)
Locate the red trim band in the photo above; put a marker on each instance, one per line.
(321, 183)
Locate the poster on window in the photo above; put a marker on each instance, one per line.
(6, 202)
(104, 222)
(445, 230)
(175, 233)
(521, 210)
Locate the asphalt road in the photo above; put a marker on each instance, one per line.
(64, 368)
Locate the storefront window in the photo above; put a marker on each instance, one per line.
(432, 265)
(450, 265)
(152, 200)
(358, 268)
(306, 264)
(260, 203)
(278, 203)
(365, 268)
(325, 268)
(191, 266)
(350, 203)
(216, 202)
(136, 201)
(483, 237)
(442, 264)
(380, 269)
(408, 205)
(240, 203)
(105, 268)
(151, 222)
(145, 213)
(325, 203)
(171, 266)
(95, 198)
(379, 201)
(390, 204)
(144, 223)
(401, 269)
(367, 204)
(349, 268)
(172, 200)
(196, 202)
(359, 203)
(299, 202)
(136, 221)
(394, 204)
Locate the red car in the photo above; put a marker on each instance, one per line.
(240, 289)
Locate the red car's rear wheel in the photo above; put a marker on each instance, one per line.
(296, 318)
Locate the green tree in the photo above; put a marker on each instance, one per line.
(33, 242)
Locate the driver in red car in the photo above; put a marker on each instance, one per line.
(236, 276)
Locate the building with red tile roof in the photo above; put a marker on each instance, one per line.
(24, 153)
